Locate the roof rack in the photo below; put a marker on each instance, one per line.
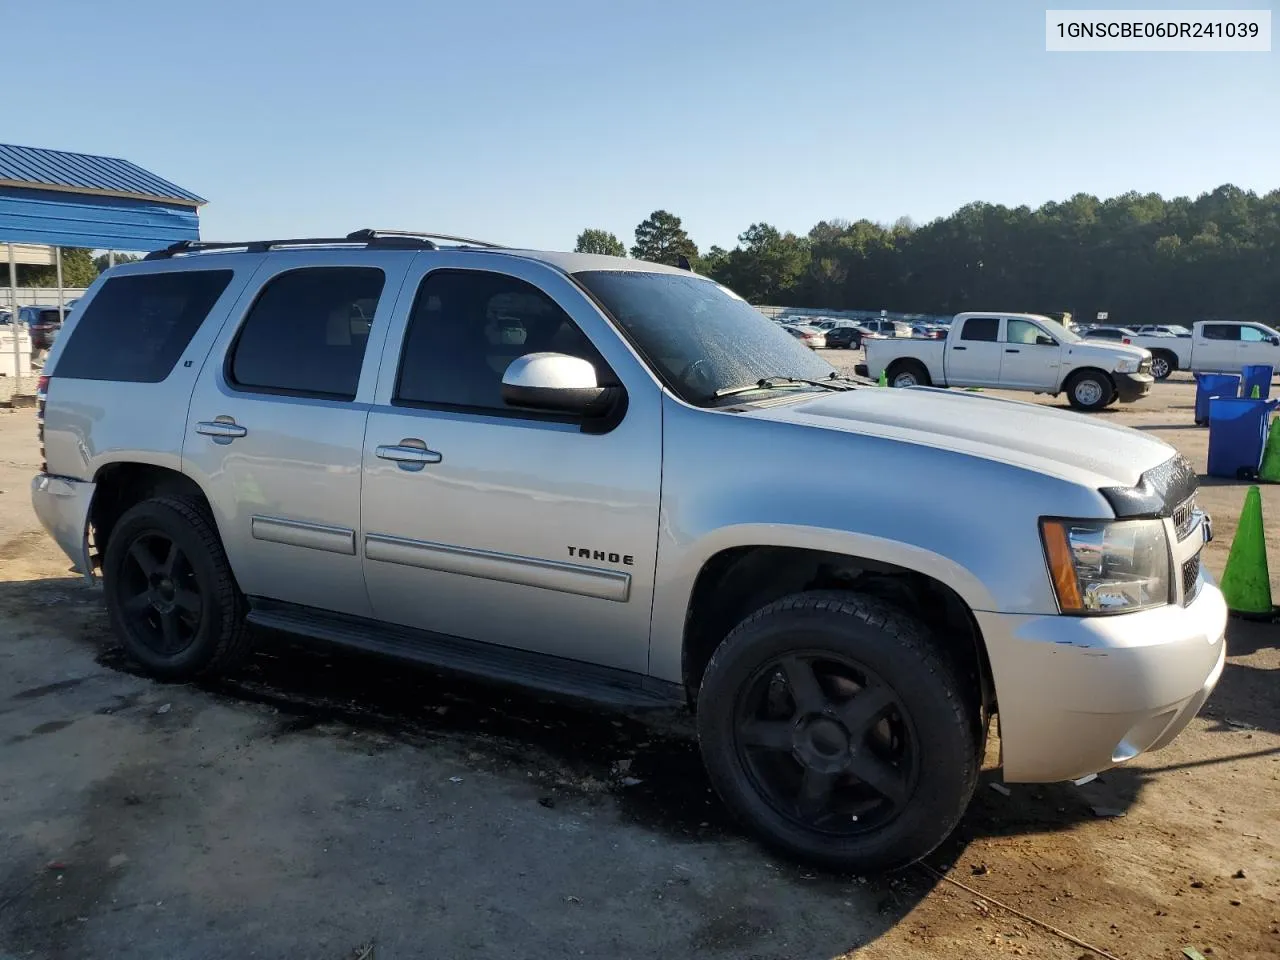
(380, 239)
(449, 238)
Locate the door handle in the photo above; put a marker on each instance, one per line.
(409, 453)
(959, 348)
(221, 429)
(1013, 351)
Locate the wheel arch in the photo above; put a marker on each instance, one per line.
(121, 485)
(735, 581)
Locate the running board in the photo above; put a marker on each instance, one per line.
(558, 676)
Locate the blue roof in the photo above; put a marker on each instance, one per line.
(38, 168)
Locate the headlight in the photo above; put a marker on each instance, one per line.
(1108, 566)
(1128, 366)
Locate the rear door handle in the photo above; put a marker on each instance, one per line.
(410, 453)
(221, 429)
(1013, 351)
(959, 348)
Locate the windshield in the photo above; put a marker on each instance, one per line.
(699, 337)
(1056, 330)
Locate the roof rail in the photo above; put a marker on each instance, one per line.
(449, 238)
(262, 246)
(381, 239)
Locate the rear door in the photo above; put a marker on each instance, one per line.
(1215, 347)
(276, 423)
(1027, 363)
(974, 353)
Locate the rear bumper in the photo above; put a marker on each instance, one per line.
(1133, 386)
(62, 506)
(1078, 695)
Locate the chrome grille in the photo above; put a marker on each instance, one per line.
(1186, 517)
(1190, 579)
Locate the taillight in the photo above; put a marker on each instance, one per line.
(42, 394)
(1125, 340)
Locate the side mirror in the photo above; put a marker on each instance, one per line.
(1275, 341)
(551, 381)
(1043, 341)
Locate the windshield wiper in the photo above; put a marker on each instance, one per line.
(766, 383)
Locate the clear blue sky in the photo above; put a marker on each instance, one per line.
(522, 122)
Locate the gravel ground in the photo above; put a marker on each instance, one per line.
(318, 804)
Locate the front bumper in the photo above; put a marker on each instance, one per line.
(1081, 694)
(62, 506)
(1132, 386)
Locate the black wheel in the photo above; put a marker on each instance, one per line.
(909, 373)
(1163, 363)
(1090, 390)
(170, 593)
(834, 728)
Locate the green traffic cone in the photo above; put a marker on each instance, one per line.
(1246, 582)
(1255, 393)
(884, 379)
(1269, 471)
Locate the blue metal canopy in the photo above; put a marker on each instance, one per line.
(77, 200)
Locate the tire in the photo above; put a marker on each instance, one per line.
(918, 746)
(171, 596)
(909, 373)
(1163, 363)
(1089, 390)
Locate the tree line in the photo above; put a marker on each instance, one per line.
(79, 269)
(1139, 257)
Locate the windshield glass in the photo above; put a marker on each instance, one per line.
(699, 337)
(1057, 330)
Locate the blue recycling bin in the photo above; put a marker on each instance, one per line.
(1237, 435)
(1210, 385)
(1256, 375)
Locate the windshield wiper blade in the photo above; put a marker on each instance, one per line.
(766, 383)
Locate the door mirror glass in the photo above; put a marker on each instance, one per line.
(1044, 341)
(551, 381)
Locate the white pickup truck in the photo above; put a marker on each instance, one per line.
(1215, 346)
(1017, 351)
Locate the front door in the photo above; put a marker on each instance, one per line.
(276, 423)
(1256, 347)
(1028, 363)
(498, 524)
(973, 357)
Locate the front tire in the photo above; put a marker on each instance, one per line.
(1090, 390)
(1163, 364)
(171, 597)
(833, 727)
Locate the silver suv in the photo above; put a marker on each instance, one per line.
(577, 474)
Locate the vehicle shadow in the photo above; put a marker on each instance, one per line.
(646, 766)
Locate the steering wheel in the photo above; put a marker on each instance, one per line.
(697, 376)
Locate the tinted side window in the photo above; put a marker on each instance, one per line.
(981, 328)
(466, 328)
(137, 326)
(1221, 331)
(306, 333)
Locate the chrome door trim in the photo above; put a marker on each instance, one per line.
(295, 533)
(489, 565)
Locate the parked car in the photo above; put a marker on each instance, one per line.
(1162, 330)
(1117, 334)
(887, 328)
(1217, 346)
(43, 324)
(844, 338)
(812, 336)
(928, 331)
(607, 510)
(1017, 351)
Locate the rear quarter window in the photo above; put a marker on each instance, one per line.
(137, 326)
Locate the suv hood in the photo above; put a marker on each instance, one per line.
(1075, 447)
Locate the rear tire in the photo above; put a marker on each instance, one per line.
(171, 596)
(1163, 363)
(835, 729)
(1090, 390)
(908, 373)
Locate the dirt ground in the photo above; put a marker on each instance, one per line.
(324, 805)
